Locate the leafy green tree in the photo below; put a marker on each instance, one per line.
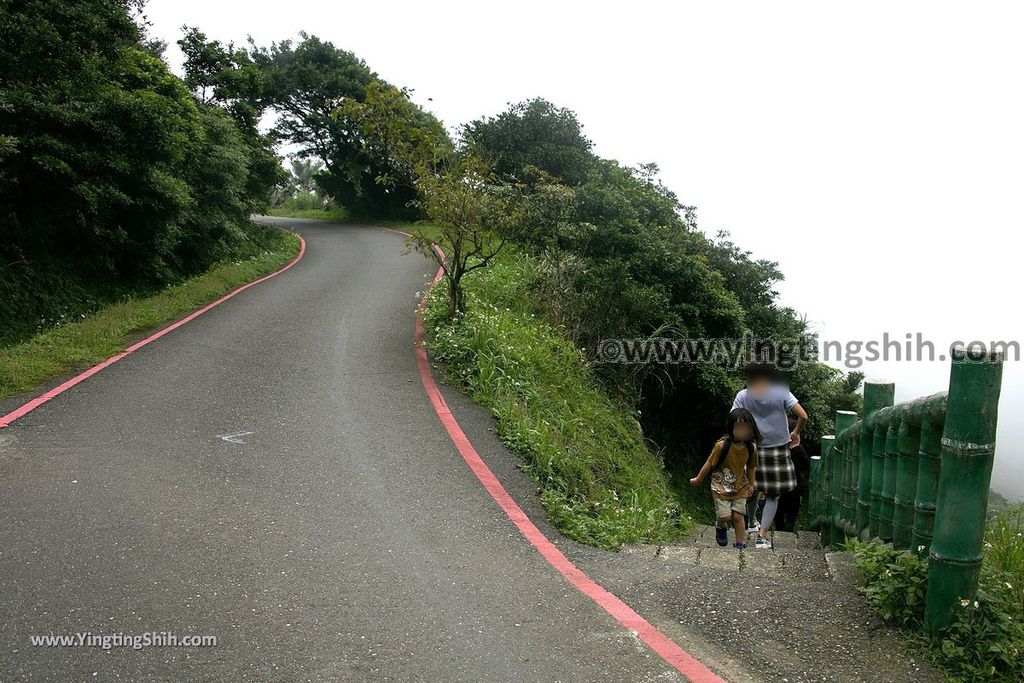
(304, 174)
(406, 141)
(306, 84)
(224, 75)
(329, 105)
(472, 212)
(822, 391)
(753, 282)
(532, 133)
(115, 179)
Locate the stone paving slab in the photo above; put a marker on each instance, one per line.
(784, 540)
(808, 540)
(805, 564)
(761, 562)
(841, 569)
(798, 555)
(720, 558)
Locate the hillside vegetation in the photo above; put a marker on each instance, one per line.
(115, 179)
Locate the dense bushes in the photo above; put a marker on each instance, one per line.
(986, 640)
(623, 258)
(113, 177)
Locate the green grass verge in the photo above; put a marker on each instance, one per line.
(68, 347)
(986, 640)
(599, 482)
(338, 215)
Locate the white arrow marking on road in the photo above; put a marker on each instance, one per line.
(235, 438)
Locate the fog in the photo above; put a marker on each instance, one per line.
(874, 150)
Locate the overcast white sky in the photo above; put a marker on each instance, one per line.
(875, 150)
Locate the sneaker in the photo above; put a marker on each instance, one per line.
(721, 535)
(739, 546)
(754, 526)
(762, 542)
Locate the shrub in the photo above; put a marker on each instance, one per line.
(986, 640)
(598, 481)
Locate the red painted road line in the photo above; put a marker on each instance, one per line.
(676, 656)
(60, 389)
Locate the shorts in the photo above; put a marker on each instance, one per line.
(725, 507)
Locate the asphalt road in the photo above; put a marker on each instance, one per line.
(335, 534)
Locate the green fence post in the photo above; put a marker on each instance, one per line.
(876, 395)
(835, 454)
(819, 489)
(889, 476)
(908, 443)
(930, 457)
(968, 448)
(852, 473)
(844, 420)
(880, 424)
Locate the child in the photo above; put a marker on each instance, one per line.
(733, 463)
(769, 402)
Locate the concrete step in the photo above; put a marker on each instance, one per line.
(798, 555)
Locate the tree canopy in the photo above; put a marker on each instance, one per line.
(112, 175)
(329, 106)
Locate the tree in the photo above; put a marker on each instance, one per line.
(305, 84)
(308, 84)
(405, 140)
(753, 283)
(532, 133)
(472, 212)
(822, 391)
(115, 178)
(619, 256)
(304, 173)
(224, 75)
(328, 103)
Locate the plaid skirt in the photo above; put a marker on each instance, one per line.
(775, 472)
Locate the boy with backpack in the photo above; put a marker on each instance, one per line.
(733, 466)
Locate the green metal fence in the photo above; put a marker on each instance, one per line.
(917, 475)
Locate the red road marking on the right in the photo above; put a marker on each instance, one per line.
(665, 647)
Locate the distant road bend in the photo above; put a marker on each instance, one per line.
(273, 474)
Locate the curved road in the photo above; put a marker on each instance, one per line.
(273, 474)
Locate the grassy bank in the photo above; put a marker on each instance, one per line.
(309, 205)
(334, 215)
(986, 641)
(598, 481)
(70, 346)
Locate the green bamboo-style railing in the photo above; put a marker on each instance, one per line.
(916, 475)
